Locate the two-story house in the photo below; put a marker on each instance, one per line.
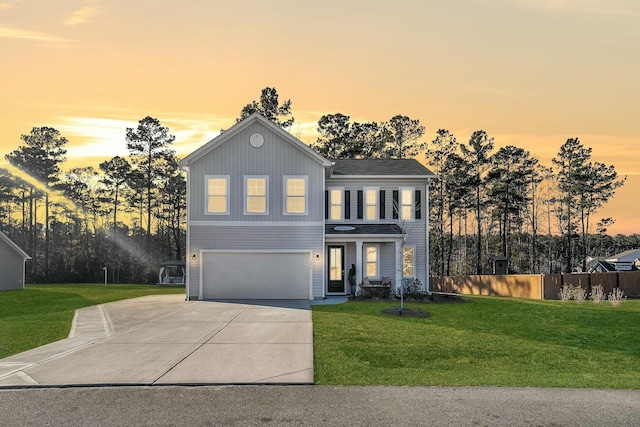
(269, 218)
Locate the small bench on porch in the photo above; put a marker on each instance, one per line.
(376, 288)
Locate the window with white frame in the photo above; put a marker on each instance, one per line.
(256, 189)
(217, 187)
(372, 261)
(406, 203)
(295, 195)
(370, 204)
(335, 204)
(408, 261)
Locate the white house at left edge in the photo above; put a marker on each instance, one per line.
(12, 264)
(261, 218)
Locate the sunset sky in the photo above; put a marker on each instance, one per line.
(531, 73)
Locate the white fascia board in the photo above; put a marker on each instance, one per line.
(379, 177)
(362, 237)
(205, 223)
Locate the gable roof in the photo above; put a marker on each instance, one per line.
(602, 267)
(381, 167)
(239, 127)
(626, 256)
(12, 245)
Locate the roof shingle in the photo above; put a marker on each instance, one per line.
(398, 167)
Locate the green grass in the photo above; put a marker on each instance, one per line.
(41, 314)
(487, 341)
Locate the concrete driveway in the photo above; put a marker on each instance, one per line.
(163, 339)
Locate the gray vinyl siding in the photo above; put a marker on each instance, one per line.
(12, 268)
(275, 159)
(388, 185)
(416, 229)
(307, 238)
(388, 261)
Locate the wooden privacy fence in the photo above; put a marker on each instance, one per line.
(628, 281)
(511, 285)
(536, 286)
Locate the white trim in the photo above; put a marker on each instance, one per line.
(251, 223)
(323, 251)
(363, 237)
(285, 195)
(258, 251)
(342, 204)
(266, 194)
(188, 260)
(378, 177)
(425, 211)
(398, 261)
(206, 194)
(376, 191)
(359, 275)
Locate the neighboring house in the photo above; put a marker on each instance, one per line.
(12, 263)
(625, 261)
(602, 266)
(269, 218)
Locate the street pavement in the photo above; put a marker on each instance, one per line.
(317, 405)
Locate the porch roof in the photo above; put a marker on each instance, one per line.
(362, 229)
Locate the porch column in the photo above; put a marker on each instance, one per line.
(358, 262)
(398, 279)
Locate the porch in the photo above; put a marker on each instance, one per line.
(375, 250)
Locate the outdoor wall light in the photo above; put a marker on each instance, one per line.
(194, 257)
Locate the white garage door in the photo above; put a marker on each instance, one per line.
(256, 275)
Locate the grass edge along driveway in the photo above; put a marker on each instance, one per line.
(41, 314)
(485, 342)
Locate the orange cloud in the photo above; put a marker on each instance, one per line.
(84, 14)
(15, 33)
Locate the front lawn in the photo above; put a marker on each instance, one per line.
(487, 341)
(41, 314)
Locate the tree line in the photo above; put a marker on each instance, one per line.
(130, 213)
(126, 216)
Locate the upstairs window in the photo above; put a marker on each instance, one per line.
(217, 194)
(295, 195)
(335, 204)
(370, 204)
(406, 203)
(256, 195)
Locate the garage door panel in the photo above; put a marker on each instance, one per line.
(256, 275)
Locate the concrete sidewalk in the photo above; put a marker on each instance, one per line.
(163, 339)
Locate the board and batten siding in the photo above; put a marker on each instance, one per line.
(275, 159)
(267, 238)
